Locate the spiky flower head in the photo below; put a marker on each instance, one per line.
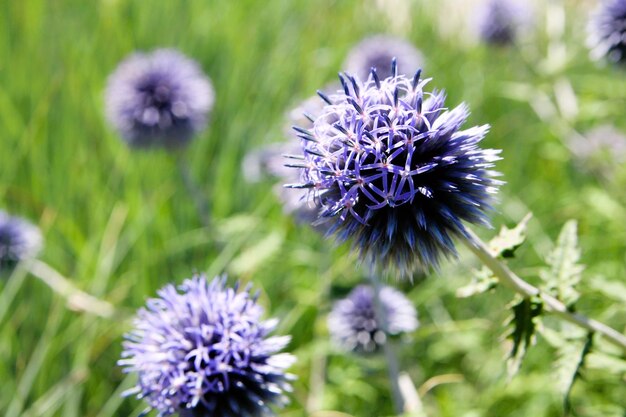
(19, 240)
(160, 98)
(204, 351)
(377, 52)
(354, 322)
(392, 171)
(499, 21)
(607, 31)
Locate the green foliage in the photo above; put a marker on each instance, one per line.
(521, 328)
(565, 272)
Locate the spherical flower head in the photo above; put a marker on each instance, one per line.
(204, 351)
(607, 31)
(19, 240)
(392, 171)
(377, 52)
(500, 20)
(600, 150)
(354, 323)
(160, 98)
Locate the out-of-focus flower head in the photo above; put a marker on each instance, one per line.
(607, 31)
(161, 98)
(204, 351)
(377, 52)
(355, 325)
(499, 21)
(19, 240)
(392, 171)
(599, 150)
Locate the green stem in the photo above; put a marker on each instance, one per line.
(553, 305)
(393, 366)
(194, 191)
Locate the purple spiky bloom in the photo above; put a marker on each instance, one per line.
(392, 171)
(607, 31)
(377, 52)
(204, 351)
(355, 325)
(499, 21)
(19, 240)
(161, 98)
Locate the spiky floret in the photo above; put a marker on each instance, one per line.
(204, 351)
(392, 172)
(607, 31)
(161, 98)
(354, 323)
(19, 240)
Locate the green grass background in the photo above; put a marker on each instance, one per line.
(119, 224)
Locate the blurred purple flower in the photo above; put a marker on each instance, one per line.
(354, 325)
(607, 31)
(205, 351)
(161, 98)
(393, 173)
(377, 51)
(499, 21)
(19, 240)
(600, 150)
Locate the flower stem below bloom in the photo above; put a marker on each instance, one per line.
(553, 305)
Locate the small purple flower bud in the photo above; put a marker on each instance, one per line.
(355, 325)
(19, 240)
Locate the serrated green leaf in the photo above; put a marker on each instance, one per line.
(522, 325)
(483, 280)
(565, 272)
(508, 240)
(572, 346)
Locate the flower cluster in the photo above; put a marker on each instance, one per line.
(19, 240)
(355, 325)
(205, 351)
(392, 171)
(607, 31)
(158, 99)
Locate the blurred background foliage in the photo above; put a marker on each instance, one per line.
(119, 224)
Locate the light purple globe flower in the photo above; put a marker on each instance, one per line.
(19, 240)
(354, 323)
(204, 351)
(607, 31)
(391, 171)
(377, 52)
(499, 21)
(161, 98)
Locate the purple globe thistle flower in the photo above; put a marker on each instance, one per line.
(160, 98)
(600, 150)
(392, 172)
(354, 323)
(607, 31)
(377, 52)
(19, 240)
(205, 351)
(499, 21)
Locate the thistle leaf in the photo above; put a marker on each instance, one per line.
(565, 272)
(522, 325)
(483, 280)
(572, 347)
(508, 240)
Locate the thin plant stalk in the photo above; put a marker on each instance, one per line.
(194, 191)
(553, 305)
(393, 366)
